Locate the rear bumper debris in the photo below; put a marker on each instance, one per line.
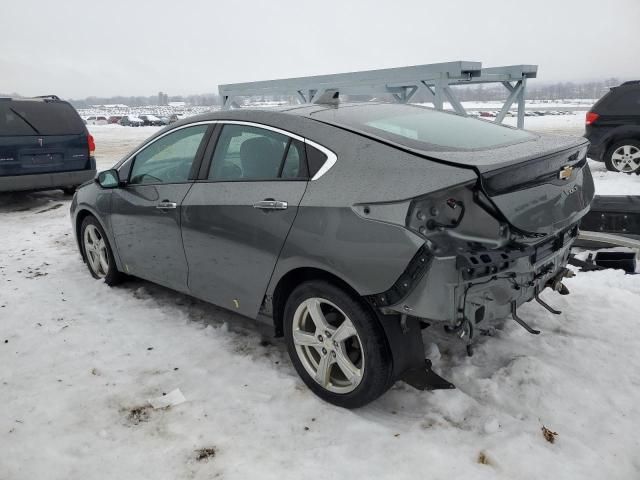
(482, 286)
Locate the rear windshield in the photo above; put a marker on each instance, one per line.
(423, 128)
(23, 117)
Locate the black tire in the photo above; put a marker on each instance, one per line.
(70, 190)
(608, 156)
(377, 360)
(112, 276)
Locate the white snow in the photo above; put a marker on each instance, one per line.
(79, 360)
(114, 141)
(166, 400)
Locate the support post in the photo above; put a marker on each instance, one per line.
(440, 84)
(514, 92)
(455, 103)
(521, 105)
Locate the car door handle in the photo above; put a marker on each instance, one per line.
(166, 205)
(271, 205)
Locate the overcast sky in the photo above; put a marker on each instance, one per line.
(77, 48)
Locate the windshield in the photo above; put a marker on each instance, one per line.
(423, 128)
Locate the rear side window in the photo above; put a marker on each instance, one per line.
(316, 159)
(621, 102)
(250, 153)
(423, 128)
(39, 118)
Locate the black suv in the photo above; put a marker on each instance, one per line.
(613, 128)
(44, 144)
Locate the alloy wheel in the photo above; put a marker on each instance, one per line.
(626, 158)
(328, 345)
(95, 248)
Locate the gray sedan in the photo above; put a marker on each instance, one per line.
(348, 228)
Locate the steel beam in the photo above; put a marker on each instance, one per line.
(432, 80)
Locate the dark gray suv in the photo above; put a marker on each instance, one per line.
(350, 228)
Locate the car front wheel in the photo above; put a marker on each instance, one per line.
(98, 253)
(623, 156)
(337, 345)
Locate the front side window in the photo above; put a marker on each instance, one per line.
(169, 159)
(250, 153)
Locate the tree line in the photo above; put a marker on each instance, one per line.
(480, 92)
(207, 99)
(539, 90)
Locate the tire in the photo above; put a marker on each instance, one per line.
(623, 156)
(100, 261)
(69, 190)
(362, 349)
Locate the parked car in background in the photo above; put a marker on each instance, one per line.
(613, 128)
(131, 121)
(347, 227)
(97, 120)
(174, 117)
(44, 144)
(151, 120)
(114, 119)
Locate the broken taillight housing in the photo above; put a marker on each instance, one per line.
(440, 211)
(456, 215)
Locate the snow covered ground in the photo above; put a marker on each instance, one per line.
(79, 361)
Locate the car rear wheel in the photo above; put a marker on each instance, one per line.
(97, 252)
(337, 345)
(623, 156)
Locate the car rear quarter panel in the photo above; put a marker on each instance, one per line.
(327, 234)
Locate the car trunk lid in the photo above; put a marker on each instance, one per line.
(539, 186)
(539, 183)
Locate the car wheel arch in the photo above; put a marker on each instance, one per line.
(406, 346)
(627, 132)
(289, 281)
(80, 216)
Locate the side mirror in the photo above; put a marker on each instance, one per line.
(108, 179)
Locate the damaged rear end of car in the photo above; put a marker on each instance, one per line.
(492, 242)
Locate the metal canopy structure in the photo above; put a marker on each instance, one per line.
(433, 81)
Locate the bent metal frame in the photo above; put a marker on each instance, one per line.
(433, 81)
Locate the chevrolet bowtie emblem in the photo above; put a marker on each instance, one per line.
(565, 172)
